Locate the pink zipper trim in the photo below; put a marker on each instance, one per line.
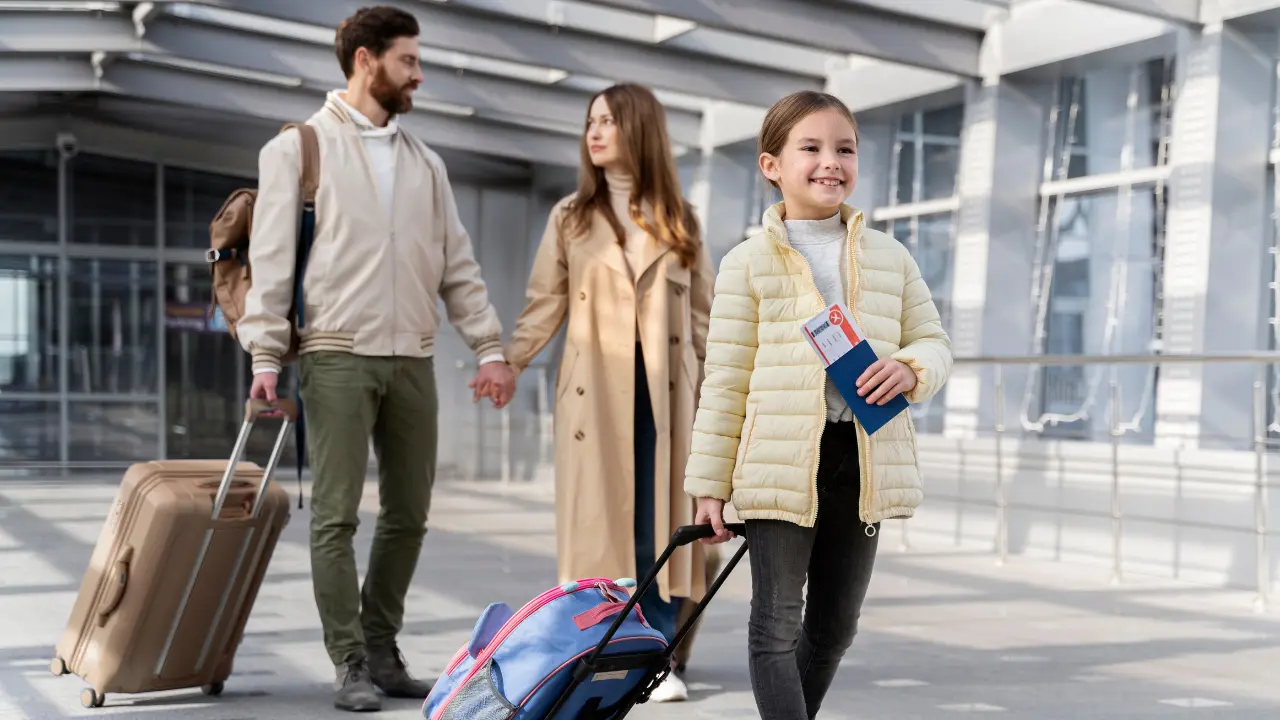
(530, 608)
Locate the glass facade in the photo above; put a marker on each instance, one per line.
(105, 354)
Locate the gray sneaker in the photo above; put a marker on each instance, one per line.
(354, 691)
(389, 673)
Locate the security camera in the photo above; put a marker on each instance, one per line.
(68, 145)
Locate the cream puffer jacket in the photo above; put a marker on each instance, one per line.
(763, 406)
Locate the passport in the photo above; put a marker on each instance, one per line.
(845, 355)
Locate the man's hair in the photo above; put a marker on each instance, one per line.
(372, 28)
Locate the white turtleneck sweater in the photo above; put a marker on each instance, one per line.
(822, 243)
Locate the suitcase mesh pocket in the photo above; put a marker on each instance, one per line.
(481, 698)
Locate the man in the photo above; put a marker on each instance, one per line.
(388, 244)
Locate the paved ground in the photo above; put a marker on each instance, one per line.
(943, 633)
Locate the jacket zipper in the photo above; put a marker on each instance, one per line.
(864, 469)
(508, 627)
(822, 419)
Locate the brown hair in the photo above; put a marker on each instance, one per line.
(645, 152)
(789, 111)
(374, 29)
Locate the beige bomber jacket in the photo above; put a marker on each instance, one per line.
(372, 285)
(758, 429)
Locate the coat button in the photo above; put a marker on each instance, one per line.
(675, 340)
(578, 435)
(582, 296)
(581, 391)
(672, 385)
(679, 290)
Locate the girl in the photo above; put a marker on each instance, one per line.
(780, 442)
(622, 259)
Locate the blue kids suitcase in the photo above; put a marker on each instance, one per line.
(580, 651)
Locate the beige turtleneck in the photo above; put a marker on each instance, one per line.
(620, 185)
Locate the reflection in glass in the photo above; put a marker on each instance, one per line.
(191, 199)
(113, 326)
(929, 238)
(114, 432)
(111, 201)
(28, 323)
(29, 431)
(29, 195)
(941, 166)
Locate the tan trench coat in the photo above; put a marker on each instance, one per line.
(587, 279)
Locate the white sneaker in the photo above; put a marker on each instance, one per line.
(672, 689)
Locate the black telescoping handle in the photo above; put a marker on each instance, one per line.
(689, 533)
(681, 537)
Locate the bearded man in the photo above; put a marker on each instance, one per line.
(388, 244)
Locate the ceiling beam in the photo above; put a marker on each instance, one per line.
(841, 28)
(1185, 12)
(503, 99)
(503, 37)
(275, 103)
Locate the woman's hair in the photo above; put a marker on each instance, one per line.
(645, 153)
(789, 111)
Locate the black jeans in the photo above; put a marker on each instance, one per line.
(792, 662)
(661, 614)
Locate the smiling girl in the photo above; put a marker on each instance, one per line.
(772, 436)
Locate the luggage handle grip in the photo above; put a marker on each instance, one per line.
(688, 533)
(255, 408)
(116, 590)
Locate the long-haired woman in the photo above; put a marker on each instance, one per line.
(623, 262)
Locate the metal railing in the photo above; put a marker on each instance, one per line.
(1261, 443)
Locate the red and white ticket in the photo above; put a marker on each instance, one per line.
(833, 333)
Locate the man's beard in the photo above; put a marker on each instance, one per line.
(393, 99)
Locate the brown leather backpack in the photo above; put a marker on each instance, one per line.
(229, 236)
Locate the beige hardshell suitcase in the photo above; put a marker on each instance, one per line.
(176, 570)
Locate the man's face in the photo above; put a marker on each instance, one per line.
(396, 75)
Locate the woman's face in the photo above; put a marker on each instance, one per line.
(602, 135)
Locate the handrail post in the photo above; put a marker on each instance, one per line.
(1260, 508)
(1117, 572)
(1002, 524)
(505, 444)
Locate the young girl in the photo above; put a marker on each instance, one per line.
(778, 440)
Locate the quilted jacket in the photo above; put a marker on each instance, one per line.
(762, 408)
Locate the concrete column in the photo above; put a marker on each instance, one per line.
(1001, 157)
(1214, 274)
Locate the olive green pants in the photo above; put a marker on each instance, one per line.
(346, 399)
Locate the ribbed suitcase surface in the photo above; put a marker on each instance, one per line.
(170, 584)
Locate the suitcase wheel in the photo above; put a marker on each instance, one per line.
(91, 699)
(58, 666)
(214, 690)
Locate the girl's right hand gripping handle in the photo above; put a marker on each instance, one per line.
(688, 533)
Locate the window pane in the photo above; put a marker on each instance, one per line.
(906, 172)
(206, 371)
(28, 323)
(933, 252)
(941, 163)
(1104, 123)
(113, 326)
(28, 431)
(113, 432)
(191, 199)
(946, 121)
(29, 195)
(112, 201)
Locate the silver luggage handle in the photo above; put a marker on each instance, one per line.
(255, 409)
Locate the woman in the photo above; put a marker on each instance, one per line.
(623, 260)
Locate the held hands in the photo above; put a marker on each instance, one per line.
(496, 381)
(711, 511)
(885, 379)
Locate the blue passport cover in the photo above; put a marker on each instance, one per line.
(845, 372)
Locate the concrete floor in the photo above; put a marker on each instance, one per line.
(944, 632)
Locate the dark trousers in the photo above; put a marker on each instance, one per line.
(795, 643)
(661, 614)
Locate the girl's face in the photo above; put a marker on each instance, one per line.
(817, 168)
(602, 135)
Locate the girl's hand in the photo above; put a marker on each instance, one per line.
(711, 510)
(885, 379)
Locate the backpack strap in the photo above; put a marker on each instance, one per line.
(310, 176)
(309, 180)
